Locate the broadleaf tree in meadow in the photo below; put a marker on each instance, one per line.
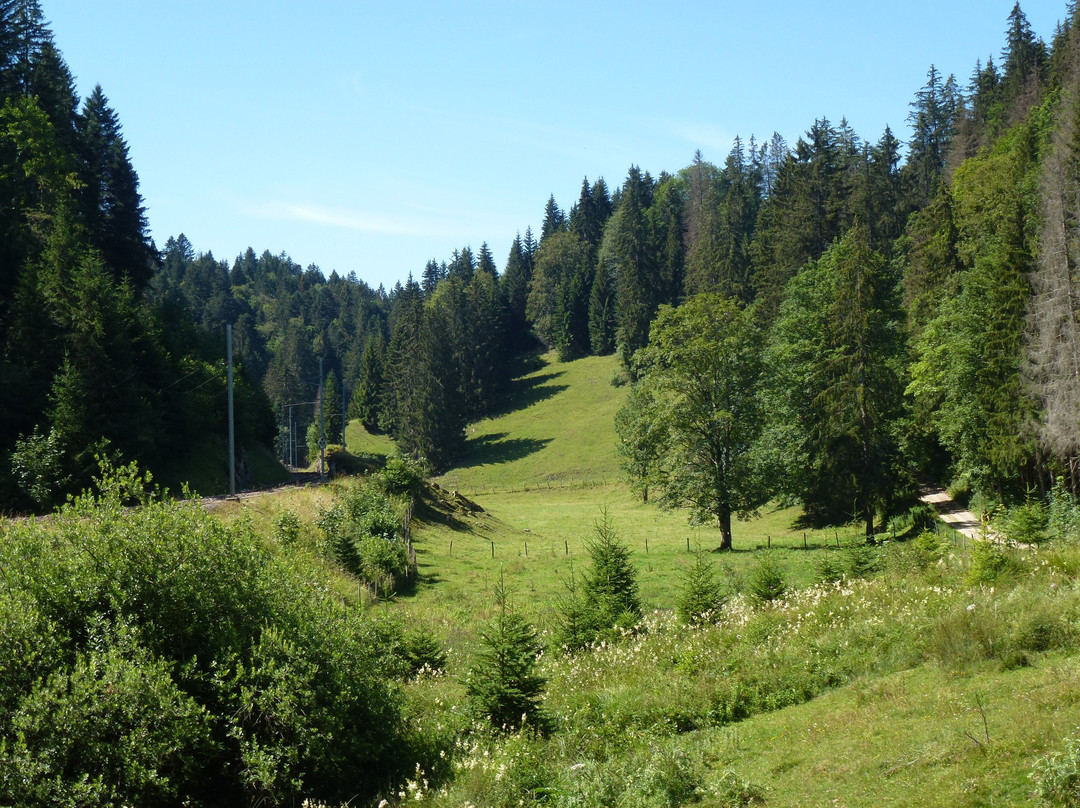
(702, 366)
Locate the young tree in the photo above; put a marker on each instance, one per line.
(504, 685)
(610, 587)
(702, 365)
(702, 594)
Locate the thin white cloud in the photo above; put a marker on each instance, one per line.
(430, 222)
(707, 137)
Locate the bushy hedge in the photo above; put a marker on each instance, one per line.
(154, 655)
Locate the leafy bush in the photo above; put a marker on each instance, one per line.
(402, 475)
(1057, 776)
(37, 465)
(153, 655)
(1064, 513)
(287, 528)
(733, 792)
(362, 530)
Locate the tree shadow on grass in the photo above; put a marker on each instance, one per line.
(498, 448)
(523, 392)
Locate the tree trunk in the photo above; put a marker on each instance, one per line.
(723, 521)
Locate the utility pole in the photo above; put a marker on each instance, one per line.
(322, 426)
(232, 445)
(344, 405)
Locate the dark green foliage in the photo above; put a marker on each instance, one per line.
(836, 386)
(767, 581)
(109, 199)
(366, 403)
(702, 594)
(1028, 522)
(602, 311)
(628, 247)
(152, 655)
(609, 586)
(933, 121)
(504, 686)
(603, 602)
(422, 653)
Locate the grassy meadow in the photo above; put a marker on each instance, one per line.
(918, 672)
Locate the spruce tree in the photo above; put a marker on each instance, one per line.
(110, 202)
(504, 686)
(610, 586)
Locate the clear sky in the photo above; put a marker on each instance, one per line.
(371, 137)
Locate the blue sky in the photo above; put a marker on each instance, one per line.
(370, 137)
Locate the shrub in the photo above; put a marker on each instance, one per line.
(1057, 776)
(362, 531)
(37, 464)
(287, 528)
(402, 476)
(733, 792)
(166, 658)
(112, 724)
(1064, 513)
(503, 684)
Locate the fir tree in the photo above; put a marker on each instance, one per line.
(504, 685)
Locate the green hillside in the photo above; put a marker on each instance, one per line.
(555, 427)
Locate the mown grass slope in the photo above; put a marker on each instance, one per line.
(556, 428)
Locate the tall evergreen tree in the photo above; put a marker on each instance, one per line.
(628, 246)
(110, 202)
(554, 219)
(514, 288)
(836, 387)
(366, 404)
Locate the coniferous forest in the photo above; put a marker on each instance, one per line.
(949, 261)
(829, 323)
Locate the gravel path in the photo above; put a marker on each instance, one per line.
(955, 516)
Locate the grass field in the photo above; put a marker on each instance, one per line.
(557, 427)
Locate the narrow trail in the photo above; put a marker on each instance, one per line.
(301, 479)
(954, 515)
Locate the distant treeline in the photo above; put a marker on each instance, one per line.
(984, 332)
(972, 229)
